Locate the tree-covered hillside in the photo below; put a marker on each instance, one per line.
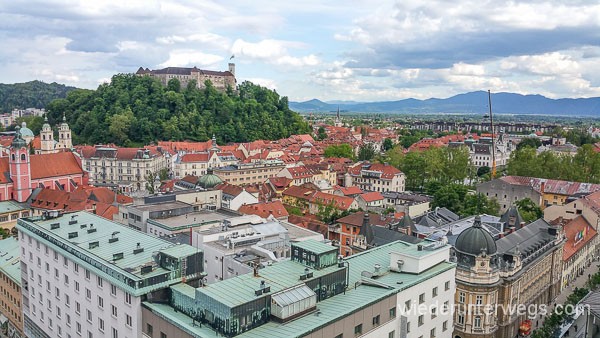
(33, 94)
(134, 110)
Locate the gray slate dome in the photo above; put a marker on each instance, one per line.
(209, 181)
(475, 239)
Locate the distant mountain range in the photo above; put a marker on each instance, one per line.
(468, 103)
(32, 94)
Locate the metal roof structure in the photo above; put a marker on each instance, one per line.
(10, 259)
(116, 252)
(293, 295)
(315, 246)
(284, 276)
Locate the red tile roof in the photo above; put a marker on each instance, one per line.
(339, 202)
(198, 157)
(356, 219)
(309, 223)
(298, 192)
(280, 182)
(53, 165)
(557, 187)
(347, 191)
(265, 209)
(387, 171)
(578, 233)
(229, 189)
(372, 196)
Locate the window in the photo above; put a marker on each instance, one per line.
(127, 298)
(407, 327)
(113, 290)
(100, 302)
(114, 310)
(433, 312)
(88, 294)
(128, 320)
(89, 316)
(434, 292)
(445, 325)
(67, 299)
(407, 306)
(66, 279)
(101, 324)
(376, 320)
(76, 286)
(421, 320)
(149, 329)
(99, 282)
(76, 267)
(393, 312)
(57, 292)
(477, 322)
(163, 335)
(461, 297)
(422, 298)
(90, 335)
(478, 299)
(55, 255)
(358, 330)
(87, 274)
(68, 320)
(77, 308)
(115, 333)
(461, 319)
(78, 328)
(432, 333)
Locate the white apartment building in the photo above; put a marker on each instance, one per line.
(85, 276)
(125, 169)
(375, 177)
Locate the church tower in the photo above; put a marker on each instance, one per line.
(20, 168)
(64, 135)
(46, 138)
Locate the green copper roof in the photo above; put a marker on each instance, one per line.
(209, 181)
(11, 206)
(108, 248)
(10, 259)
(315, 246)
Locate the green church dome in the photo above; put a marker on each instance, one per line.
(475, 240)
(209, 181)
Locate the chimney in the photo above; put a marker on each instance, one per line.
(542, 187)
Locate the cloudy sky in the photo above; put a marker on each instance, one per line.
(356, 50)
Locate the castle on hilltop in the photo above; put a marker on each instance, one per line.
(220, 80)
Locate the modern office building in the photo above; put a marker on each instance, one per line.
(395, 290)
(85, 276)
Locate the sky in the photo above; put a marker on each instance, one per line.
(352, 50)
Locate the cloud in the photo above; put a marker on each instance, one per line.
(185, 58)
(273, 52)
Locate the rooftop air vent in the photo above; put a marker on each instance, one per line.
(146, 269)
(117, 256)
(72, 234)
(138, 249)
(93, 245)
(54, 226)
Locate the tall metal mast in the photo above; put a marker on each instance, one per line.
(493, 136)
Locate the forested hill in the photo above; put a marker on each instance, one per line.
(134, 110)
(32, 94)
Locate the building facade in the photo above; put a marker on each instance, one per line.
(124, 169)
(249, 173)
(220, 80)
(85, 276)
(375, 177)
(494, 277)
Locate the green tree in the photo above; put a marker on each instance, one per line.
(340, 150)
(529, 142)
(174, 85)
(528, 210)
(457, 198)
(321, 133)
(366, 152)
(387, 144)
(481, 171)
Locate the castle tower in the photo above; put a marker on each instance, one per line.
(232, 68)
(20, 169)
(64, 135)
(46, 138)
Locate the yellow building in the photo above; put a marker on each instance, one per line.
(11, 321)
(249, 173)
